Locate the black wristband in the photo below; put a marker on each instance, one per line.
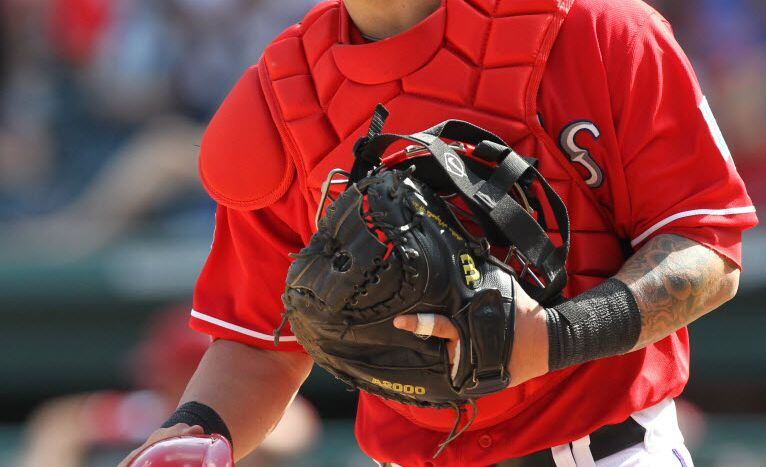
(196, 413)
(602, 322)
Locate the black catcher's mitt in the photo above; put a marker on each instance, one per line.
(391, 245)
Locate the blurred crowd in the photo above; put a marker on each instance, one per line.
(102, 107)
(103, 102)
(99, 428)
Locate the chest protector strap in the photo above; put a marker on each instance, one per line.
(484, 182)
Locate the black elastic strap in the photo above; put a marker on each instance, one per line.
(196, 413)
(379, 118)
(602, 322)
(365, 160)
(459, 130)
(509, 170)
(499, 212)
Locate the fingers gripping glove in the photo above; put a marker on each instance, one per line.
(390, 246)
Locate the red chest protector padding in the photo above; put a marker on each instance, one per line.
(480, 61)
(475, 61)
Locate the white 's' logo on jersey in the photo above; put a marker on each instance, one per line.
(580, 155)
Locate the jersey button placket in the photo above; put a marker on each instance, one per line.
(485, 441)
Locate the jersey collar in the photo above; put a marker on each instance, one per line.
(391, 58)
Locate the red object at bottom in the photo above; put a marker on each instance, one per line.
(187, 451)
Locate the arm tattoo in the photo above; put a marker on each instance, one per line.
(675, 281)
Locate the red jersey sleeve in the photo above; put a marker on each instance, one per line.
(679, 173)
(261, 218)
(238, 293)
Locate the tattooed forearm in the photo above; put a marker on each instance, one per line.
(675, 281)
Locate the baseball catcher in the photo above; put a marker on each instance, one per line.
(443, 275)
(391, 245)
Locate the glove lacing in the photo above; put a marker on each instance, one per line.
(394, 236)
(454, 433)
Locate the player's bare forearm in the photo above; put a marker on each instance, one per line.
(249, 388)
(676, 281)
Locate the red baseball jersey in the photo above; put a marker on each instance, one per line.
(599, 91)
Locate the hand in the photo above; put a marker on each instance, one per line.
(529, 356)
(180, 429)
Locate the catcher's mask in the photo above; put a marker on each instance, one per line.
(482, 179)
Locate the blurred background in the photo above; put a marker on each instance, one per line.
(104, 227)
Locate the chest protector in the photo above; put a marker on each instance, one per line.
(480, 61)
